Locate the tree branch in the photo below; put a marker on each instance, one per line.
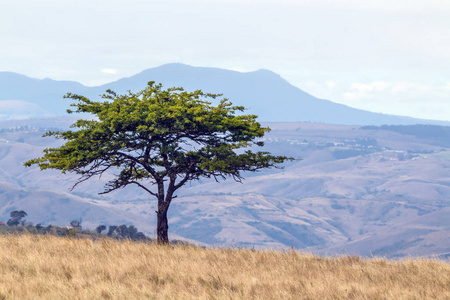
(141, 186)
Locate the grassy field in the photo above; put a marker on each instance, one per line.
(49, 267)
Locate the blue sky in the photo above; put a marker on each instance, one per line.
(384, 56)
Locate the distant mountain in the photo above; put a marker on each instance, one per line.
(22, 97)
(263, 92)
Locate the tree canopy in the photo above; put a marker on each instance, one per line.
(158, 140)
(16, 218)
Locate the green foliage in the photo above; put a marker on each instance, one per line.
(124, 232)
(16, 218)
(47, 229)
(100, 228)
(111, 230)
(155, 134)
(76, 224)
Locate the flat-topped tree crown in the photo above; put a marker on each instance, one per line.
(158, 140)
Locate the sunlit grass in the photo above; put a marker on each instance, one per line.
(49, 267)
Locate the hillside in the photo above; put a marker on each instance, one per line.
(49, 267)
(357, 190)
(263, 92)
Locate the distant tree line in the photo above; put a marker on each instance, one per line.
(124, 232)
(117, 232)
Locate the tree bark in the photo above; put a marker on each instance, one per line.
(162, 225)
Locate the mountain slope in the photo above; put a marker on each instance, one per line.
(263, 92)
(34, 97)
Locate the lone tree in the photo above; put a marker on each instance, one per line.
(16, 218)
(100, 228)
(76, 224)
(158, 140)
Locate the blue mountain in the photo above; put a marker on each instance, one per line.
(262, 92)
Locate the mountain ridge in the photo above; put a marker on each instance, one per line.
(263, 92)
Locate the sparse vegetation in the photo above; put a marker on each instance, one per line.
(75, 230)
(48, 267)
(76, 224)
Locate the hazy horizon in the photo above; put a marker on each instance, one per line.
(378, 56)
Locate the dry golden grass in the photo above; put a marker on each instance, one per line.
(48, 267)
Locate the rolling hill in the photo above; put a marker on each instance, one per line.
(359, 190)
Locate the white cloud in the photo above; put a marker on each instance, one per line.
(411, 87)
(239, 69)
(370, 87)
(313, 84)
(109, 71)
(379, 90)
(331, 84)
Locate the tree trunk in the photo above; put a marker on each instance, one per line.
(162, 225)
